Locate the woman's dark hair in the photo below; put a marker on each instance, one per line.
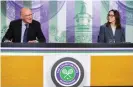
(117, 18)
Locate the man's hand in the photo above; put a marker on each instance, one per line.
(8, 41)
(33, 41)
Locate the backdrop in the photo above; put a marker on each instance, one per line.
(69, 21)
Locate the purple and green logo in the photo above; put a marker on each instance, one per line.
(67, 72)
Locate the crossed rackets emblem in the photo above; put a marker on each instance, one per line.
(67, 73)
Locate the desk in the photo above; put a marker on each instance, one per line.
(69, 45)
(102, 64)
(46, 47)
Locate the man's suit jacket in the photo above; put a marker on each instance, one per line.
(106, 33)
(14, 31)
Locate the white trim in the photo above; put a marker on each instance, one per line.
(24, 48)
(43, 54)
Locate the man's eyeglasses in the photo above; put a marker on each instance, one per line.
(28, 15)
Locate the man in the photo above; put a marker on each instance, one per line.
(24, 30)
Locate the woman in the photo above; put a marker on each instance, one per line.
(112, 32)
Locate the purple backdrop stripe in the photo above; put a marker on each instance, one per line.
(96, 7)
(70, 22)
(44, 15)
(8, 12)
(123, 15)
(17, 9)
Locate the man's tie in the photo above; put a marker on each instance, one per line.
(25, 33)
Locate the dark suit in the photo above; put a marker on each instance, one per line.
(106, 33)
(14, 31)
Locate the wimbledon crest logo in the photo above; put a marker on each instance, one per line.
(67, 72)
